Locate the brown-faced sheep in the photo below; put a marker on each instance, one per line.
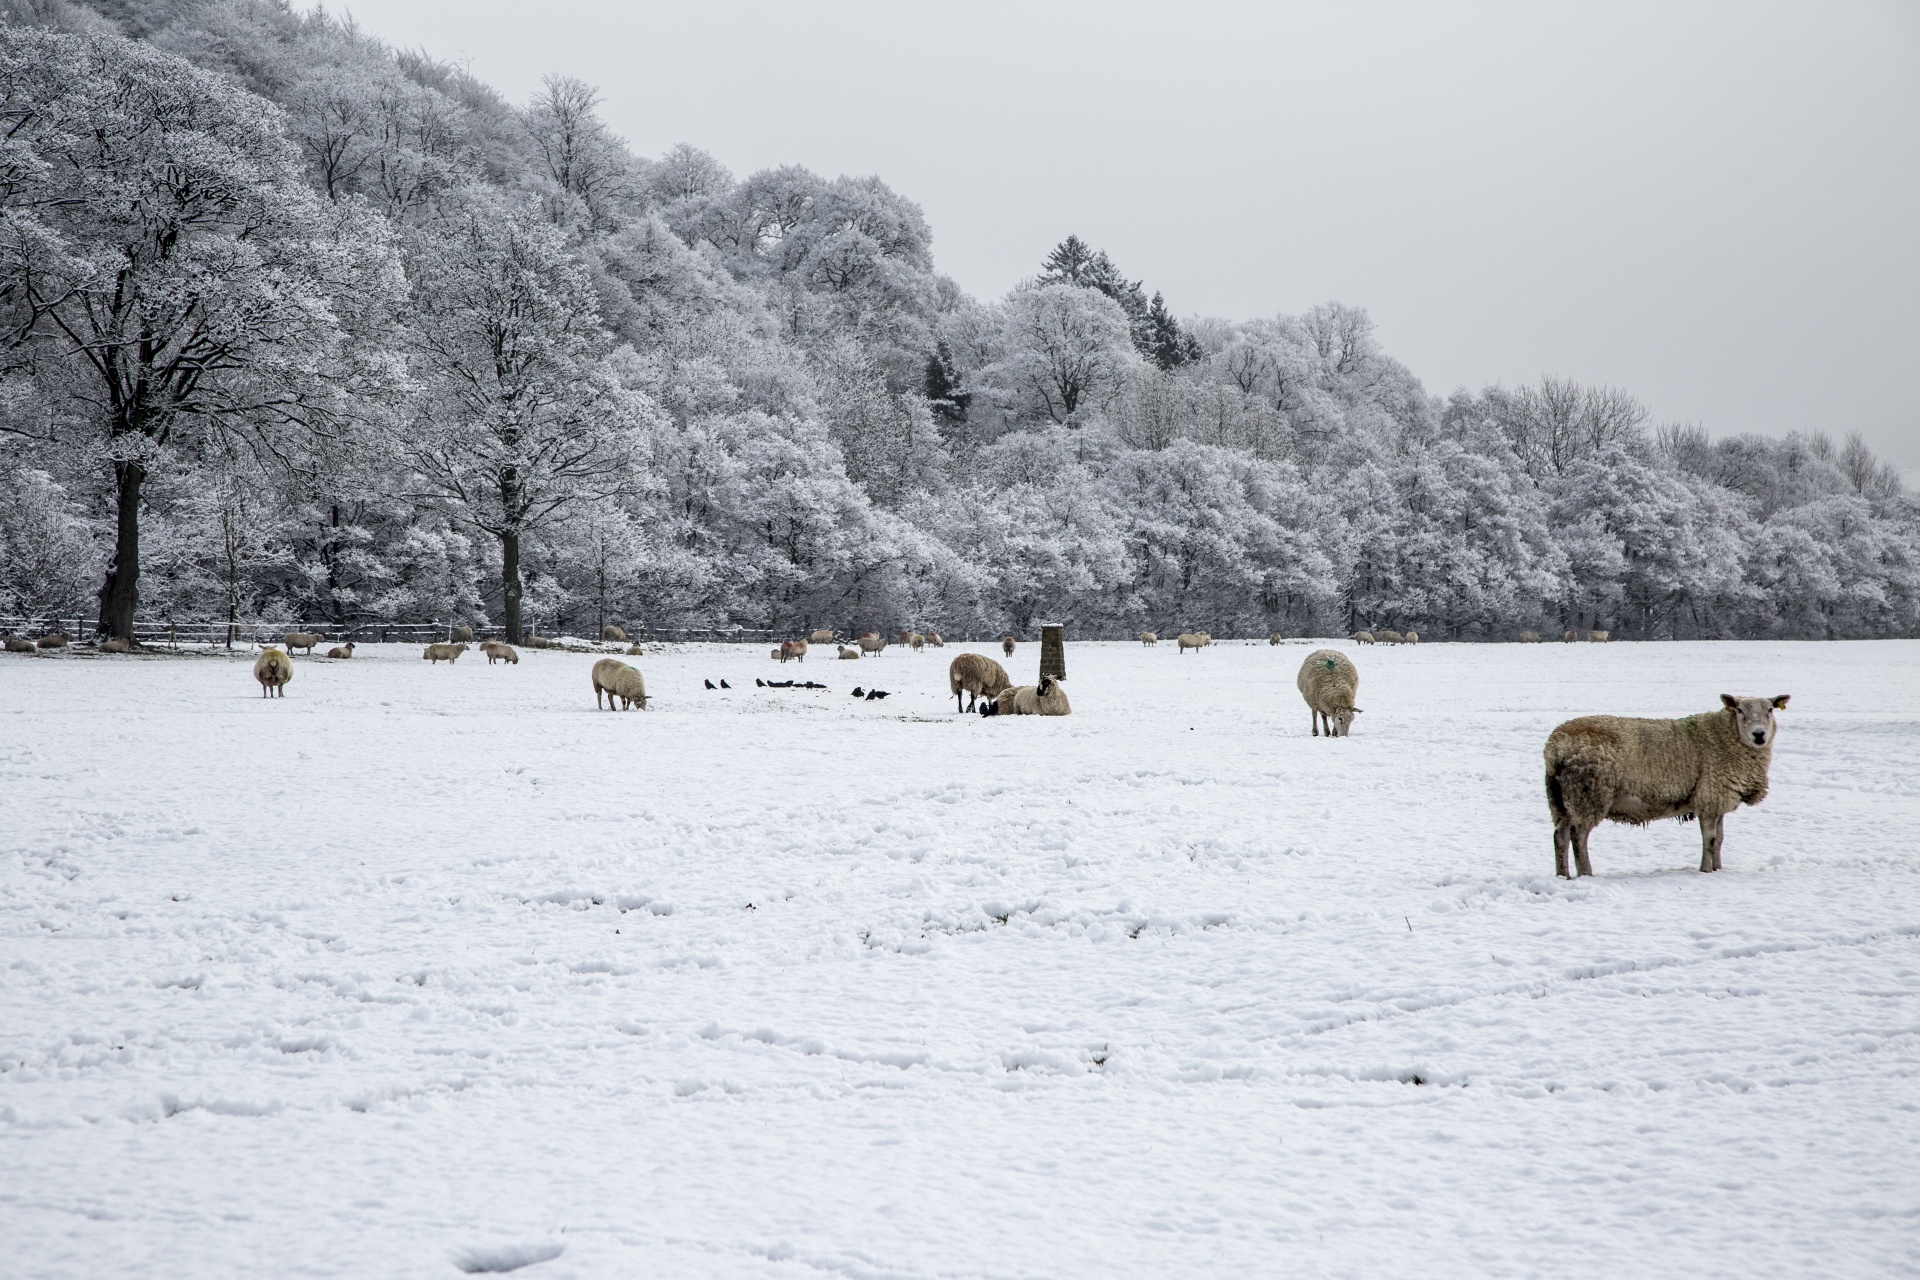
(1148, 639)
(1329, 681)
(303, 640)
(438, 653)
(461, 635)
(55, 641)
(1048, 698)
(822, 636)
(1363, 637)
(618, 680)
(1529, 637)
(1611, 768)
(17, 644)
(611, 634)
(873, 642)
(498, 651)
(1597, 637)
(1006, 645)
(344, 650)
(846, 653)
(1194, 640)
(978, 676)
(793, 651)
(273, 669)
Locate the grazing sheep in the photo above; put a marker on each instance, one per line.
(1529, 637)
(1148, 639)
(1597, 637)
(116, 646)
(1413, 637)
(611, 634)
(1363, 637)
(1571, 635)
(1006, 645)
(498, 651)
(1639, 771)
(822, 636)
(346, 650)
(16, 644)
(846, 653)
(873, 642)
(793, 650)
(273, 669)
(1389, 637)
(934, 641)
(1194, 640)
(916, 642)
(55, 641)
(1328, 681)
(618, 680)
(1275, 638)
(461, 635)
(438, 653)
(977, 675)
(303, 640)
(1048, 698)
(905, 635)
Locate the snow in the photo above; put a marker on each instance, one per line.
(430, 970)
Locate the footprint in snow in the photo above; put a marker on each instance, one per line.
(491, 1259)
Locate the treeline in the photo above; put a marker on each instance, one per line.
(300, 327)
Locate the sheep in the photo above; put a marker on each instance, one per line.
(934, 641)
(303, 640)
(634, 651)
(55, 641)
(873, 642)
(1275, 637)
(346, 650)
(611, 634)
(1328, 681)
(1639, 771)
(1571, 635)
(273, 669)
(498, 651)
(822, 636)
(1413, 637)
(978, 675)
(438, 653)
(1363, 637)
(116, 646)
(1529, 637)
(618, 680)
(532, 641)
(1194, 640)
(778, 655)
(1148, 639)
(792, 650)
(846, 653)
(1006, 645)
(1389, 637)
(17, 644)
(1048, 698)
(916, 642)
(1597, 637)
(461, 635)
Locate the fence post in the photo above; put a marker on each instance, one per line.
(1053, 650)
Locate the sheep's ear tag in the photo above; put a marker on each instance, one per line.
(1331, 664)
(1780, 703)
(1730, 702)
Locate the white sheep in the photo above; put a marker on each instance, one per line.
(1048, 698)
(497, 651)
(1389, 637)
(1148, 639)
(977, 675)
(19, 644)
(611, 634)
(1195, 640)
(1413, 637)
(1328, 681)
(273, 669)
(822, 636)
(873, 642)
(1529, 637)
(461, 635)
(618, 680)
(438, 653)
(303, 640)
(1597, 637)
(1613, 768)
(1274, 637)
(345, 650)
(1363, 637)
(846, 653)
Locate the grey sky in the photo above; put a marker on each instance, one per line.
(1716, 206)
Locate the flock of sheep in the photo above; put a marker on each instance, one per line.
(1598, 768)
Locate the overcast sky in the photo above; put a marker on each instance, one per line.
(1715, 206)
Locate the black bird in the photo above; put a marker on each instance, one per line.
(725, 685)
(709, 684)
(858, 692)
(811, 684)
(759, 683)
(874, 695)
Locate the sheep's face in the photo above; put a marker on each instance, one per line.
(1753, 718)
(1341, 721)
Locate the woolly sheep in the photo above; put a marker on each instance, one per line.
(1006, 645)
(304, 640)
(1048, 698)
(1329, 681)
(1529, 637)
(1194, 640)
(793, 650)
(778, 655)
(344, 650)
(461, 635)
(438, 653)
(532, 641)
(916, 642)
(1597, 637)
(1413, 637)
(273, 669)
(822, 636)
(934, 641)
(1363, 637)
(1389, 637)
(611, 634)
(618, 680)
(116, 646)
(977, 675)
(849, 653)
(873, 642)
(1148, 638)
(1612, 768)
(497, 651)
(634, 651)
(1571, 635)
(16, 644)
(55, 641)
(1275, 638)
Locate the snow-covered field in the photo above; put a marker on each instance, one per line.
(425, 968)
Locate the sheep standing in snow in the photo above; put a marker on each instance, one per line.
(1195, 640)
(461, 635)
(346, 650)
(611, 634)
(873, 642)
(916, 642)
(1276, 638)
(1328, 681)
(273, 669)
(978, 676)
(1048, 698)
(1597, 637)
(618, 680)
(1529, 637)
(498, 651)
(1571, 635)
(1006, 645)
(934, 641)
(1413, 637)
(1389, 637)
(1363, 637)
(303, 640)
(822, 636)
(438, 653)
(793, 651)
(1148, 639)
(1612, 768)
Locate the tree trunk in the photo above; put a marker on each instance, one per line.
(510, 583)
(120, 594)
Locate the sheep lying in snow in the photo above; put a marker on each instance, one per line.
(1148, 638)
(496, 651)
(618, 680)
(1529, 637)
(977, 675)
(1597, 637)
(1328, 681)
(532, 641)
(873, 642)
(461, 635)
(1639, 771)
(304, 640)
(438, 653)
(849, 653)
(273, 669)
(16, 644)
(55, 641)
(1363, 637)
(346, 650)
(116, 646)
(611, 634)
(1048, 698)
(1194, 640)
(1006, 645)
(822, 636)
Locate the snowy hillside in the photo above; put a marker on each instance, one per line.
(427, 968)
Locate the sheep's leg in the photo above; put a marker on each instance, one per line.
(1712, 831)
(1581, 866)
(1562, 837)
(1316, 722)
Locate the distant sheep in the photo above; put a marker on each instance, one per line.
(778, 655)
(1529, 637)
(916, 642)
(1389, 637)
(1274, 637)
(304, 640)
(846, 653)
(1194, 640)
(438, 653)
(618, 680)
(54, 641)
(873, 642)
(343, 651)
(1328, 681)
(498, 651)
(1413, 637)
(17, 644)
(978, 676)
(611, 634)
(793, 651)
(1363, 637)
(822, 636)
(532, 641)
(634, 651)
(1148, 639)
(273, 669)
(1006, 645)
(1571, 635)
(1610, 768)
(1048, 698)
(1597, 637)
(116, 646)
(461, 635)
(934, 641)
